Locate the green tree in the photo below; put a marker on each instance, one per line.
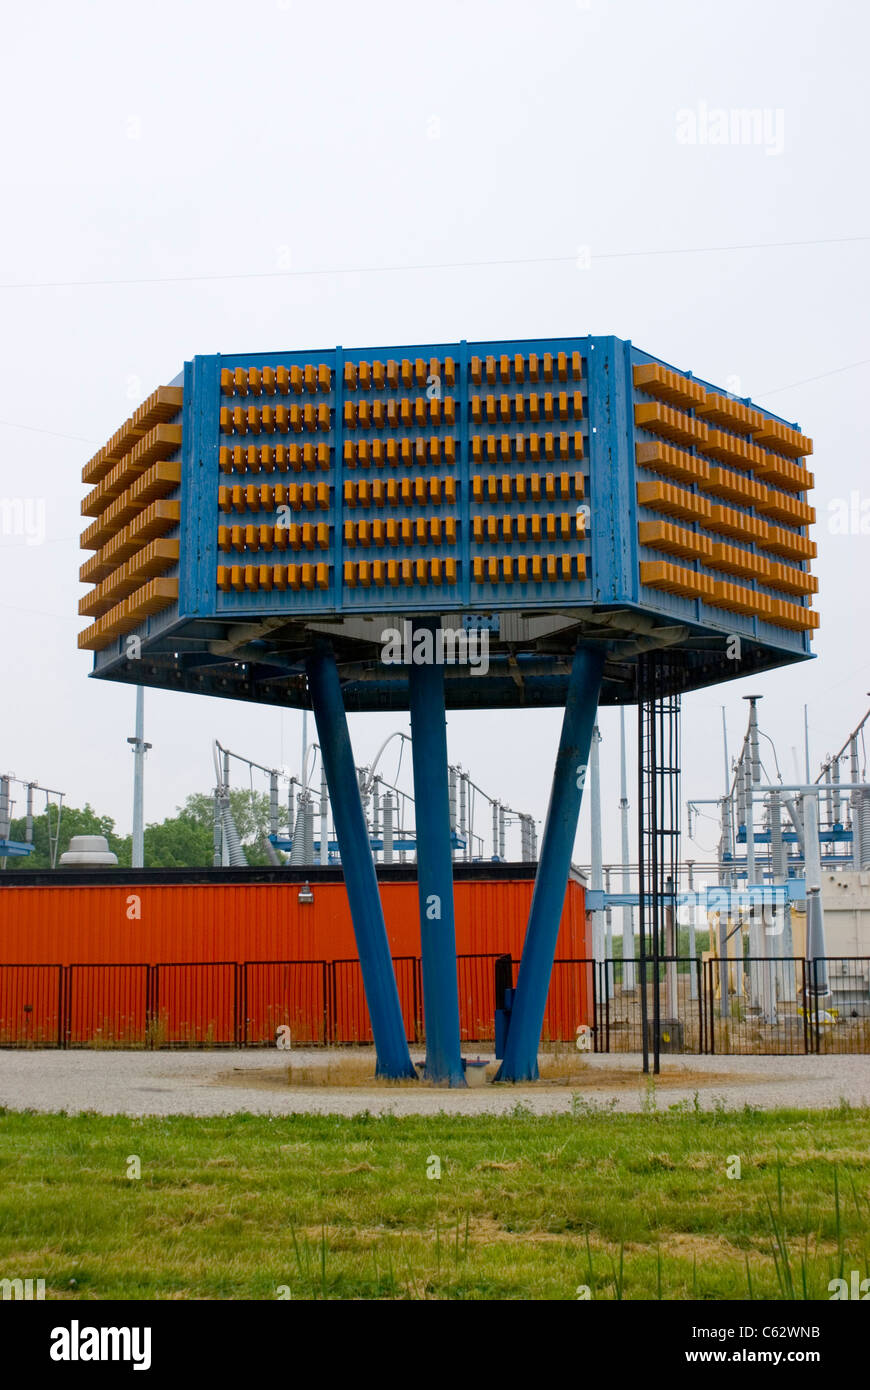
(74, 820)
(182, 841)
(179, 842)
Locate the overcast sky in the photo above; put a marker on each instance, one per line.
(165, 165)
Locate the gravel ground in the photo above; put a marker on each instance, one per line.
(221, 1083)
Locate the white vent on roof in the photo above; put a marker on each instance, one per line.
(88, 851)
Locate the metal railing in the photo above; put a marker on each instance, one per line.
(775, 1006)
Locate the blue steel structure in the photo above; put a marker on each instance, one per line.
(539, 948)
(435, 871)
(394, 1059)
(712, 898)
(261, 524)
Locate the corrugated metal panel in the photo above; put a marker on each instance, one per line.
(108, 1004)
(93, 924)
(30, 1005)
(570, 999)
(476, 979)
(195, 1003)
(350, 1017)
(292, 994)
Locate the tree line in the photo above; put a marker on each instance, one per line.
(182, 841)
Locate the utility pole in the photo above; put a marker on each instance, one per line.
(763, 979)
(324, 814)
(807, 742)
(693, 982)
(140, 748)
(726, 879)
(752, 774)
(815, 939)
(780, 929)
(305, 750)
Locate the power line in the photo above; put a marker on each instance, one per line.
(805, 381)
(427, 265)
(444, 265)
(58, 434)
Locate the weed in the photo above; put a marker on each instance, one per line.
(340, 1207)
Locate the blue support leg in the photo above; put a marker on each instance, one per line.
(527, 1017)
(379, 980)
(435, 875)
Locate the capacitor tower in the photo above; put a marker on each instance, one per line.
(265, 525)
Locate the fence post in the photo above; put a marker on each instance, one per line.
(705, 1005)
(155, 997)
(594, 965)
(702, 1005)
(67, 1006)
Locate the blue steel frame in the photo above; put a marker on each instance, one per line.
(379, 980)
(551, 881)
(435, 873)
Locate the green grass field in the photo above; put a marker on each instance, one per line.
(632, 1206)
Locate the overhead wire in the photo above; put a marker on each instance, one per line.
(430, 265)
(820, 376)
(773, 747)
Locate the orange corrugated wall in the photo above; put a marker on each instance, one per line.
(137, 927)
(238, 922)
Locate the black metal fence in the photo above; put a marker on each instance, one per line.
(780, 1006)
(622, 989)
(789, 1006)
